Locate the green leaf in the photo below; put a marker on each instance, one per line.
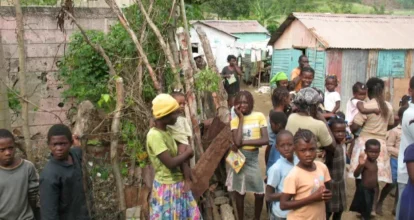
(106, 97)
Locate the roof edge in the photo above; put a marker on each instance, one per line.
(276, 35)
(199, 21)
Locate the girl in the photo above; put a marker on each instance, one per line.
(280, 79)
(305, 78)
(332, 99)
(304, 189)
(168, 199)
(373, 127)
(336, 167)
(249, 133)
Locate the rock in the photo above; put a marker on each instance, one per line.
(133, 213)
(221, 200)
(226, 212)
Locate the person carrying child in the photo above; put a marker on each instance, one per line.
(367, 168)
(332, 99)
(181, 132)
(168, 200)
(336, 168)
(304, 188)
(278, 172)
(393, 144)
(249, 133)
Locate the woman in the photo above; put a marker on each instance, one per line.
(231, 74)
(374, 126)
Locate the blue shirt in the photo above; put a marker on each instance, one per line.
(274, 154)
(407, 196)
(276, 176)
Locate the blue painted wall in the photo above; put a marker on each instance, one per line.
(391, 63)
(285, 61)
(317, 60)
(251, 37)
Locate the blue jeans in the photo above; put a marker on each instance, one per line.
(401, 187)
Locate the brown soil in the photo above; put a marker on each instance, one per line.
(263, 104)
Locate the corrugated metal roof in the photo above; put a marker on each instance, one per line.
(236, 27)
(356, 31)
(200, 22)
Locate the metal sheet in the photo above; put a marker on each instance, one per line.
(317, 62)
(391, 63)
(334, 65)
(372, 64)
(354, 67)
(281, 60)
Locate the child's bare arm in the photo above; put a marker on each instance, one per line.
(337, 106)
(361, 165)
(271, 195)
(173, 162)
(264, 140)
(363, 110)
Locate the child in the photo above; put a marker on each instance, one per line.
(393, 145)
(19, 182)
(332, 99)
(336, 167)
(168, 198)
(306, 76)
(278, 122)
(181, 132)
(61, 181)
(280, 79)
(278, 172)
(304, 189)
(364, 193)
(249, 133)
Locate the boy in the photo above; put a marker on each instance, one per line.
(368, 169)
(278, 172)
(277, 123)
(181, 132)
(62, 194)
(19, 182)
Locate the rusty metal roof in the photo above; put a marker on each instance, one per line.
(355, 31)
(236, 27)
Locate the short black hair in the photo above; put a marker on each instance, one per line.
(278, 95)
(401, 112)
(59, 130)
(307, 69)
(278, 118)
(372, 142)
(248, 96)
(302, 56)
(412, 83)
(336, 120)
(340, 114)
(358, 86)
(4, 134)
(283, 133)
(177, 94)
(230, 57)
(334, 77)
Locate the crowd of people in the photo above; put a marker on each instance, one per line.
(309, 144)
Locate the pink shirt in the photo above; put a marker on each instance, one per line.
(351, 110)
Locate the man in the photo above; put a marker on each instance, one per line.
(407, 138)
(62, 194)
(19, 182)
(200, 63)
(295, 74)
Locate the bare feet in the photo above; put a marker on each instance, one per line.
(378, 209)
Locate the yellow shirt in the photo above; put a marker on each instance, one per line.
(295, 73)
(251, 127)
(301, 184)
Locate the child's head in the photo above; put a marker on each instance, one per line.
(245, 100)
(284, 144)
(59, 139)
(232, 60)
(291, 86)
(372, 149)
(331, 82)
(340, 115)
(338, 128)
(280, 97)
(360, 91)
(278, 121)
(281, 80)
(305, 146)
(401, 112)
(180, 97)
(7, 148)
(405, 100)
(307, 75)
(164, 109)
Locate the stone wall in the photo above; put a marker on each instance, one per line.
(45, 45)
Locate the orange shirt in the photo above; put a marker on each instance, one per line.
(295, 73)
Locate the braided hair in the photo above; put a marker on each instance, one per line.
(376, 90)
(279, 95)
(305, 135)
(249, 98)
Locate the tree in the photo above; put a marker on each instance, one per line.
(229, 9)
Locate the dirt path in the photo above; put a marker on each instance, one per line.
(263, 104)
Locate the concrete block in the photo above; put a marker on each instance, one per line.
(36, 36)
(226, 212)
(46, 118)
(221, 200)
(45, 64)
(54, 50)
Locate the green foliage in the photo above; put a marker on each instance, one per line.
(406, 3)
(207, 80)
(14, 101)
(134, 143)
(340, 6)
(38, 2)
(229, 9)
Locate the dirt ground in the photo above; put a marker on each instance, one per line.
(263, 104)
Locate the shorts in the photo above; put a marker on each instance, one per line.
(394, 168)
(363, 201)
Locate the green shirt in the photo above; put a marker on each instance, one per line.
(159, 141)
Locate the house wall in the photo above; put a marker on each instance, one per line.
(219, 41)
(45, 45)
(296, 36)
(251, 37)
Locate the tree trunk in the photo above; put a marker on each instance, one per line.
(222, 109)
(114, 145)
(22, 80)
(125, 24)
(4, 101)
(187, 37)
